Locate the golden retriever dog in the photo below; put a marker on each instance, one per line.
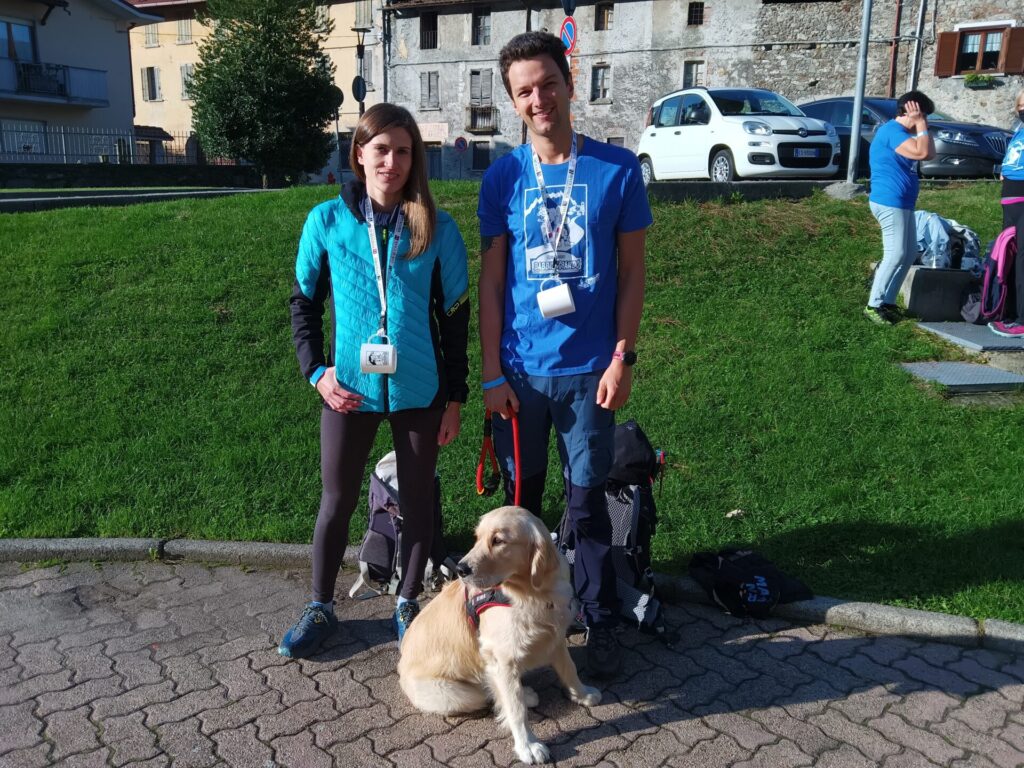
(448, 666)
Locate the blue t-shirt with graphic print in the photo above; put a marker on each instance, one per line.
(608, 197)
(1013, 160)
(893, 176)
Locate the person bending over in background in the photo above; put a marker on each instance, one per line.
(393, 270)
(895, 150)
(1012, 174)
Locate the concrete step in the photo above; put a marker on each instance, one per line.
(964, 378)
(976, 338)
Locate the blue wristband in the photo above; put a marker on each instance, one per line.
(493, 383)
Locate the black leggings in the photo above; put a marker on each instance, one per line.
(1013, 216)
(345, 443)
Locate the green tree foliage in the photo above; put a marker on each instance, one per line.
(264, 88)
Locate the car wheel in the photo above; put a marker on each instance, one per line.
(647, 170)
(722, 166)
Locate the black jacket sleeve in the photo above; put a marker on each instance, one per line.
(453, 339)
(308, 322)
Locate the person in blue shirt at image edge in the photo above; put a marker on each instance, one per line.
(1012, 175)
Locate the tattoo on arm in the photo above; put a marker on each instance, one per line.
(486, 241)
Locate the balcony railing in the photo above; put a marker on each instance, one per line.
(41, 81)
(482, 119)
(428, 39)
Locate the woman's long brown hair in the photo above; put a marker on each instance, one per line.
(418, 205)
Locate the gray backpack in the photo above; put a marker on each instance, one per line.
(380, 553)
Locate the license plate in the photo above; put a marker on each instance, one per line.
(805, 152)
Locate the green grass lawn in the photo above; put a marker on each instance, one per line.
(149, 388)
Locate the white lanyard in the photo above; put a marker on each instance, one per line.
(378, 268)
(553, 238)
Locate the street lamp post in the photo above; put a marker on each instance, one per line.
(359, 82)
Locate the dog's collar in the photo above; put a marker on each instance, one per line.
(480, 602)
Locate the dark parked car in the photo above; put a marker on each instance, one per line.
(961, 149)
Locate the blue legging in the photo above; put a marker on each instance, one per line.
(899, 250)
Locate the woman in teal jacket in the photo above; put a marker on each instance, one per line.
(392, 269)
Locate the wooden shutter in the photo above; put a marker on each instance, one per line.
(424, 89)
(435, 91)
(1012, 55)
(474, 88)
(145, 84)
(947, 44)
(156, 84)
(485, 87)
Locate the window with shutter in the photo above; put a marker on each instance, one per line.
(945, 53)
(1013, 52)
(184, 31)
(480, 88)
(151, 84)
(186, 80)
(429, 98)
(973, 48)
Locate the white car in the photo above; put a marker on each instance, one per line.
(725, 134)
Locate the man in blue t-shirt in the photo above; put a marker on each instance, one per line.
(898, 145)
(563, 222)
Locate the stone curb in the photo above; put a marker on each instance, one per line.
(78, 549)
(991, 634)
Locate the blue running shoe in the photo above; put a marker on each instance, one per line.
(304, 639)
(404, 614)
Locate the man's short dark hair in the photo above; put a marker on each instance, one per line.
(926, 104)
(533, 45)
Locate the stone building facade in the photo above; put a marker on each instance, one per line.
(443, 60)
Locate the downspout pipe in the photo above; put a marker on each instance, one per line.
(894, 49)
(915, 61)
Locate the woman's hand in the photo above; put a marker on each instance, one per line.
(913, 111)
(337, 399)
(451, 422)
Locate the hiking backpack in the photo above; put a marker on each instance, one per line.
(380, 553)
(991, 304)
(629, 492)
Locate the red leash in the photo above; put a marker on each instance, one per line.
(487, 486)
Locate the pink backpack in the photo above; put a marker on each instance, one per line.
(996, 281)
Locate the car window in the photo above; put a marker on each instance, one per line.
(669, 113)
(737, 101)
(867, 117)
(695, 110)
(822, 110)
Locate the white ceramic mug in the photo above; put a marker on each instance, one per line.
(555, 302)
(378, 358)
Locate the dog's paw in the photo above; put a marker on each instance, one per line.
(533, 753)
(530, 697)
(587, 696)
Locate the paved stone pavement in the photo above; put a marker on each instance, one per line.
(154, 663)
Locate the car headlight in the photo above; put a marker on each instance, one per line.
(757, 128)
(830, 130)
(955, 137)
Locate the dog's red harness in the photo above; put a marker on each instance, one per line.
(479, 603)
